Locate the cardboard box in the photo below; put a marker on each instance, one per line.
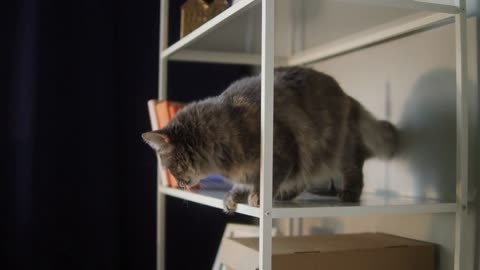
(366, 251)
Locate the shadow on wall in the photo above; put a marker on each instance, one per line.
(428, 134)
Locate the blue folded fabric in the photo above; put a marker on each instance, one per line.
(215, 182)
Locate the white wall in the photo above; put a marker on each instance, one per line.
(411, 82)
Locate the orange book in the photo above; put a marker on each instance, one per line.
(171, 180)
(171, 111)
(173, 108)
(163, 114)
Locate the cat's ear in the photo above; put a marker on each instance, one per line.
(158, 140)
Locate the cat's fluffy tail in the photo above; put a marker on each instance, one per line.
(380, 137)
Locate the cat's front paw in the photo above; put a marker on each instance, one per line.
(254, 199)
(229, 203)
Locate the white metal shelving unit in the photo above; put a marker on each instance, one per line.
(188, 49)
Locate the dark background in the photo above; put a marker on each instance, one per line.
(77, 183)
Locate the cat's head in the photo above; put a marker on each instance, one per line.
(179, 155)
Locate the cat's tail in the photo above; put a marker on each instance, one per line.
(380, 137)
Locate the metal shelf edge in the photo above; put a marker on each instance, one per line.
(208, 201)
(320, 211)
(339, 211)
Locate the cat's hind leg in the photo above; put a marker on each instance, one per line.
(281, 189)
(289, 189)
(353, 158)
(329, 190)
(352, 185)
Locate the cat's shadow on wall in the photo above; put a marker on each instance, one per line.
(428, 135)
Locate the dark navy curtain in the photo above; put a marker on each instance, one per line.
(77, 183)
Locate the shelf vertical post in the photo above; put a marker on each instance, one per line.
(266, 174)
(162, 94)
(266, 171)
(462, 258)
(160, 228)
(163, 44)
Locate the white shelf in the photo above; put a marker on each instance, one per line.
(208, 44)
(203, 30)
(217, 57)
(442, 6)
(212, 198)
(309, 205)
(368, 37)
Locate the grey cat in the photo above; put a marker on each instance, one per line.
(320, 133)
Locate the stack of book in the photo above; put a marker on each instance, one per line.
(161, 112)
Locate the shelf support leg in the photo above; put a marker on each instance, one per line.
(160, 230)
(162, 94)
(163, 44)
(463, 258)
(268, 52)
